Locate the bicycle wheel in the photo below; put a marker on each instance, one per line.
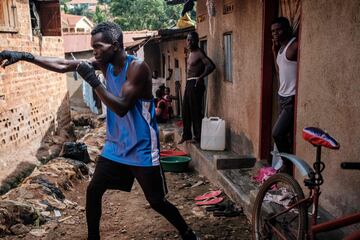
(275, 195)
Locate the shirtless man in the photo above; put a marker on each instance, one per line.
(199, 66)
(285, 48)
(131, 149)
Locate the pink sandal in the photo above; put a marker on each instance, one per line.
(211, 201)
(208, 195)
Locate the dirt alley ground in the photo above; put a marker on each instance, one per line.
(129, 216)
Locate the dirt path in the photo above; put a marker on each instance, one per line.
(128, 216)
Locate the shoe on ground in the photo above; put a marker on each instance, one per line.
(189, 235)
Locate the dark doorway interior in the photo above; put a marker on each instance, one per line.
(269, 106)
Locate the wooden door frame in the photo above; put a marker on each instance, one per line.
(269, 12)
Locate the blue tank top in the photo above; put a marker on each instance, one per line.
(132, 139)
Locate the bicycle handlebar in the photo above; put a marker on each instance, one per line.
(350, 165)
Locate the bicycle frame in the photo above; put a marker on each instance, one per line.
(314, 185)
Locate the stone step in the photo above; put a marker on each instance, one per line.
(233, 161)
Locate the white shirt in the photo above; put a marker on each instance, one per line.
(287, 73)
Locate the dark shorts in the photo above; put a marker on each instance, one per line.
(114, 175)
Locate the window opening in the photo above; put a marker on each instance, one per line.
(228, 56)
(45, 17)
(8, 16)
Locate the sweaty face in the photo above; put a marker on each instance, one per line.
(278, 32)
(103, 50)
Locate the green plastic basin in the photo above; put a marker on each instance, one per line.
(175, 163)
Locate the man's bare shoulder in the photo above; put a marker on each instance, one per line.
(199, 52)
(292, 50)
(138, 65)
(139, 69)
(294, 45)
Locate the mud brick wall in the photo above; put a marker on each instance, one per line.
(31, 99)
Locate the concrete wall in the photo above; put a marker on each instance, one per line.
(32, 99)
(237, 102)
(329, 93)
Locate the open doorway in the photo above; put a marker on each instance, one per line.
(290, 9)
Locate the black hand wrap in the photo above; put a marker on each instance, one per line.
(13, 57)
(87, 72)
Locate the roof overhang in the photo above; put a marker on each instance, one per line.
(174, 34)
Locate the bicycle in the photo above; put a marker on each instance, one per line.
(281, 209)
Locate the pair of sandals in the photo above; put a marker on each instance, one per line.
(225, 209)
(219, 209)
(209, 198)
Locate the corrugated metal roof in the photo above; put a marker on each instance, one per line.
(130, 36)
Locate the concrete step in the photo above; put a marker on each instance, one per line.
(228, 170)
(233, 161)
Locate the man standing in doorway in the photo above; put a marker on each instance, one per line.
(131, 148)
(198, 67)
(285, 48)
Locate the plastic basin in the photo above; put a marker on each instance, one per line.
(175, 163)
(171, 153)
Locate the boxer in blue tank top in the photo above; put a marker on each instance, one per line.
(132, 148)
(132, 145)
(133, 138)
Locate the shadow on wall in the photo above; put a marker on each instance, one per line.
(239, 143)
(58, 132)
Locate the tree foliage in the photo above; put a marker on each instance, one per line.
(144, 14)
(80, 10)
(100, 15)
(104, 1)
(64, 6)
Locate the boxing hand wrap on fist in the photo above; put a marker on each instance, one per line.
(87, 72)
(13, 57)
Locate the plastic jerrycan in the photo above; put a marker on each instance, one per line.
(212, 134)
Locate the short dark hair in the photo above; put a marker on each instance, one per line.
(284, 22)
(194, 35)
(159, 93)
(111, 32)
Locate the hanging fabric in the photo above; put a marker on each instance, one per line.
(291, 9)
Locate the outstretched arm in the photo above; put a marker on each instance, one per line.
(54, 64)
(133, 88)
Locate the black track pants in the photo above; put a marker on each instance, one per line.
(283, 129)
(192, 114)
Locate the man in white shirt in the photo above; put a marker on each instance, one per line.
(285, 48)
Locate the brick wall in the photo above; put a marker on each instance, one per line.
(31, 99)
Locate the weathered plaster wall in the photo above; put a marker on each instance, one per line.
(237, 102)
(328, 94)
(175, 50)
(32, 99)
